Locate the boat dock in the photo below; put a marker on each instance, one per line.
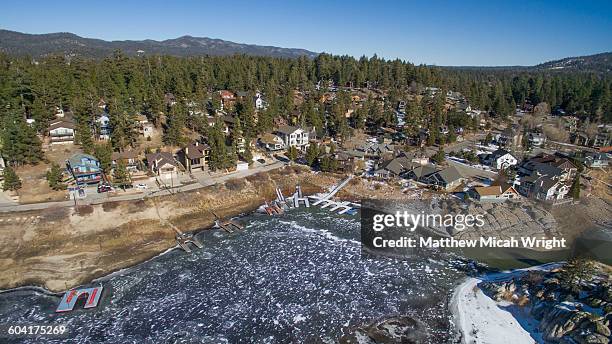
(296, 200)
(227, 225)
(184, 239)
(341, 207)
(70, 298)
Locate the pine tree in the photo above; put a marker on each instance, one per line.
(11, 180)
(247, 155)
(292, 153)
(312, 153)
(84, 138)
(575, 189)
(103, 152)
(121, 176)
(55, 178)
(20, 143)
(439, 156)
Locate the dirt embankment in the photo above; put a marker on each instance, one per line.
(58, 248)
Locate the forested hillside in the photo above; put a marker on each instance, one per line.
(133, 85)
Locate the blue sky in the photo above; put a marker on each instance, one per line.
(433, 32)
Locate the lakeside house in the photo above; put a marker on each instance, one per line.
(162, 164)
(550, 165)
(509, 137)
(500, 159)
(145, 128)
(447, 179)
(194, 156)
(271, 142)
(395, 167)
(84, 168)
(497, 193)
(293, 136)
(228, 99)
(128, 157)
(62, 129)
(420, 173)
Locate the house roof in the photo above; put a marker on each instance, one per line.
(423, 171)
(196, 150)
(160, 158)
(128, 154)
(499, 153)
(77, 159)
(356, 153)
(61, 124)
(269, 139)
(546, 183)
(545, 169)
(226, 94)
(489, 190)
(287, 129)
(449, 174)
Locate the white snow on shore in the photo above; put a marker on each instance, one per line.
(484, 320)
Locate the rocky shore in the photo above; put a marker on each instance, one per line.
(59, 248)
(570, 304)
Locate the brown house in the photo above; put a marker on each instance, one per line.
(194, 156)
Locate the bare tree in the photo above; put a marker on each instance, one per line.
(556, 132)
(528, 121)
(542, 109)
(590, 129)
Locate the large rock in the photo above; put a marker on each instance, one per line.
(396, 330)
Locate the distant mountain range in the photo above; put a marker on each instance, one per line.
(596, 63)
(17, 43)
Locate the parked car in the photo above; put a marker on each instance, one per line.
(142, 186)
(104, 188)
(261, 161)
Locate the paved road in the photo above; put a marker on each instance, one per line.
(202, 180)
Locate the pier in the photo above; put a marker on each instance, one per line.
(299, 197)
(184, 239)
(344, 207)
(227, 225)
(281, 203)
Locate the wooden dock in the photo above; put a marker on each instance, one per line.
(184, 239)
(227, 225)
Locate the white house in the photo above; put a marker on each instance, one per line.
(104, 126)
(549, 190)
(258, 100)
(501, 159)
(293, 136)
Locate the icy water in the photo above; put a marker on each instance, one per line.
(298, 278)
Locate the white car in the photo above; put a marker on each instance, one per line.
(142, 186)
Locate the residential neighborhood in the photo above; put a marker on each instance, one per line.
(495, 162)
